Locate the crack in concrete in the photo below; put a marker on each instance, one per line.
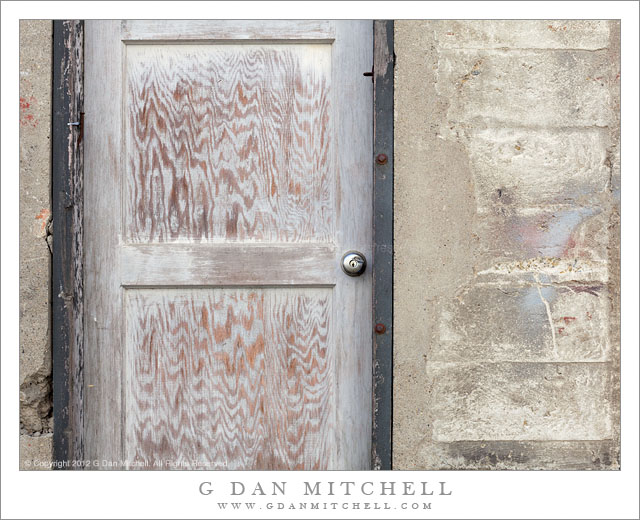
(49, 234)
(548, 307)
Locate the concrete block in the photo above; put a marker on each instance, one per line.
(522, 34)
(36, 452)
(537, 167)
(526, 88)
(565, 243)
(530, 322)
(519, 455)
(520, 401)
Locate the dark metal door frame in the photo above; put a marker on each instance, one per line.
(67, 264)
(67, 213)
(383, 69)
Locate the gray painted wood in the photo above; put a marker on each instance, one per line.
(104, 323)
(224, 184)
(227, 264)
(144, 31)
(353, 127)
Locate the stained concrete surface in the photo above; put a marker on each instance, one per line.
(35, 227)
(35, 452)
(506, 308)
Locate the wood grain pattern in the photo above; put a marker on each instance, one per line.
(76, 154)
(103, 320)
(229, 378)
(230, 178)
(228, 142)
(354, 152)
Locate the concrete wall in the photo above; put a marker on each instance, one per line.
(506, 245)
(35, 255)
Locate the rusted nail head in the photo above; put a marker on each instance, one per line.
(381, 158)
(380, 328)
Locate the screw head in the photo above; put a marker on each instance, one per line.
(380, 328)
(381, 158)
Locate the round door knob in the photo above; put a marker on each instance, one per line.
(354, 263)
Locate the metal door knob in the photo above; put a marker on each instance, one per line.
(354, 263)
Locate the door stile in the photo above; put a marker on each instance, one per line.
(104, 328)
(353, 345)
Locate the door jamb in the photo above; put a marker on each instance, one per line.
(67, 260)
(383, 69)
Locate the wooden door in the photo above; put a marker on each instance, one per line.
(228, 167)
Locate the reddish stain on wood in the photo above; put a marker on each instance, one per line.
(231, 378)
(219, 146)
(228, 142)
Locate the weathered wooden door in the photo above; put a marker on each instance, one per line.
(228, 167)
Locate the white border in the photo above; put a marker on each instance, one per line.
(175, 495)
